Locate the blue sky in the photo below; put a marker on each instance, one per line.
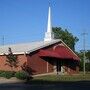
(26, 20)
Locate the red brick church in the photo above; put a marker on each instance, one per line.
(48, 56)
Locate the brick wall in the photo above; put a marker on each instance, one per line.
(4, 66)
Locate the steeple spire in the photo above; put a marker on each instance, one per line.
(49, 20)
(48, 34)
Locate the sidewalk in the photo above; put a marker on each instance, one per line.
(53, 73)
(11, 80)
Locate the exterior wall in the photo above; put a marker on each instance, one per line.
(71, 67)
(3, 66)
(50, 66)
(38, 65)
(71, 71)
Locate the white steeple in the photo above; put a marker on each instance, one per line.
(48, 34)
(49, 28)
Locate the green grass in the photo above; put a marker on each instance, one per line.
(57, 79)
(78, 77)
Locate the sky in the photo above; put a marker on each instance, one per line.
(24, 21)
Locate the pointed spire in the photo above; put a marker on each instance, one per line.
(48, 34)
(49, 28)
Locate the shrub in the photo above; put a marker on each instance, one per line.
(6, 74)
(22, 75)
(87, 66)
(1, 72)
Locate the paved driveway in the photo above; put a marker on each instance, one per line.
(80, 85)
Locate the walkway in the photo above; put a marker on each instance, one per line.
(11, 80)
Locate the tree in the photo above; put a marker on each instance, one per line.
(11, 60)
(64, 35)
(88, 55)
(80, 54)
(87, 60)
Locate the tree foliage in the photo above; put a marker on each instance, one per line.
(87, 60)
(11, 59)
(66, 36)
(88, 54)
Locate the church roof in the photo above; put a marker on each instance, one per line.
(60, 51)
(26, 47)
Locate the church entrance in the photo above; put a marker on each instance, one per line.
(54, 63)
(57, 66)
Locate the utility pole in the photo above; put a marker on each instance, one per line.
(84, 51)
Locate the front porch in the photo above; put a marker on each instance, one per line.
(65, 66)
(61, 66)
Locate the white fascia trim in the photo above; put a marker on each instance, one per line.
(1, 54)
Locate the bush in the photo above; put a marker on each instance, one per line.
(81, 66)
(1, 72)
(87, 66)
(6, 74)
(22, 75)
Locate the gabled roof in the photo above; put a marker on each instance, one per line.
(60, 51)
(26, 47)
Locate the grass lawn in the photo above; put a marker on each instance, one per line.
(64, 77)
(60, 78)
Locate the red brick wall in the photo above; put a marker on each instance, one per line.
(36, 64)
(3, 66)
(50, 66)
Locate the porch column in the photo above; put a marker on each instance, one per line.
(55, 67)
(47, 66)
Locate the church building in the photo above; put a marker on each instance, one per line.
(47, 56)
